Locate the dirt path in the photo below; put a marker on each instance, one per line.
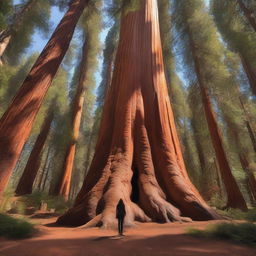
(144, 240)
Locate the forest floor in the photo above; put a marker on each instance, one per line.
(148, 239)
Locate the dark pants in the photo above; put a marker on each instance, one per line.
(120, 225)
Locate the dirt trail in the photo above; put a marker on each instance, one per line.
(146, 239)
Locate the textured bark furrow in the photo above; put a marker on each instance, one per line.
(138, 151)
(151, 197)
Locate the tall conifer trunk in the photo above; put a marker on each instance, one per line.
(250, 16)
(250, 72)
(235, 197)
(40, 182)
(243, 156)
(64, 187)
(16, 123)
(138, 156)
(6, 35)
(27, 179)
(247, 116)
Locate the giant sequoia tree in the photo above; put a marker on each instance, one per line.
(138, 156)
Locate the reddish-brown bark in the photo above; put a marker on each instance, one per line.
(248, 13)
(138, 156)
(16, 123)
(234, 196)
(64, 187)
(27, 179)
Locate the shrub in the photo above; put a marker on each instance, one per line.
(15, 228)
(244, 233)
(53, 202)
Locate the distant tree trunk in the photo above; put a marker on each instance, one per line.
(219, 181)
(40, 182)
(46, 175)
(138, 155)
(248, 14)
(16, 123)
(89, 151)
(27, 179)
(78, 104)
(242, 153)
(6, 35)
(235, 197)
(248, 123)
(251, 178)
(250, 72)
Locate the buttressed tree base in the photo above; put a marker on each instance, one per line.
(138, 155)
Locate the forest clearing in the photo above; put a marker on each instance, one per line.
(144, 239)
(127, 125)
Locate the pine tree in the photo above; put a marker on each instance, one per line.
(237, 35)
(17, 36)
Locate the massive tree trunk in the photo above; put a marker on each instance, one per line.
(138, 156)
(27, 179)
(250, 72)
(64, 186)
(16, 123)
(6, 35)
(250, 16)
(234, 196)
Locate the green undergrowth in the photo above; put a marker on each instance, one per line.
(243, 233)
(20, 204)
(53, 202)
(236, 214)
(13, 228)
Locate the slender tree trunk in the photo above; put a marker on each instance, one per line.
(138, 156)
(88, 153)
(243, 157)
(235, 197)
(27, 179)
(248, 14)
(248, 123)
(250, 72)
(251, 178)
(218, 176)
(46, 176)
(16, 123)
(44, 168)
(6, 35)
(64, 188)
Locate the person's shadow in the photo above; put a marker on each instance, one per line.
(116, 237)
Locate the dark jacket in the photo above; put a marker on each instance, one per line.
(120, 210)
